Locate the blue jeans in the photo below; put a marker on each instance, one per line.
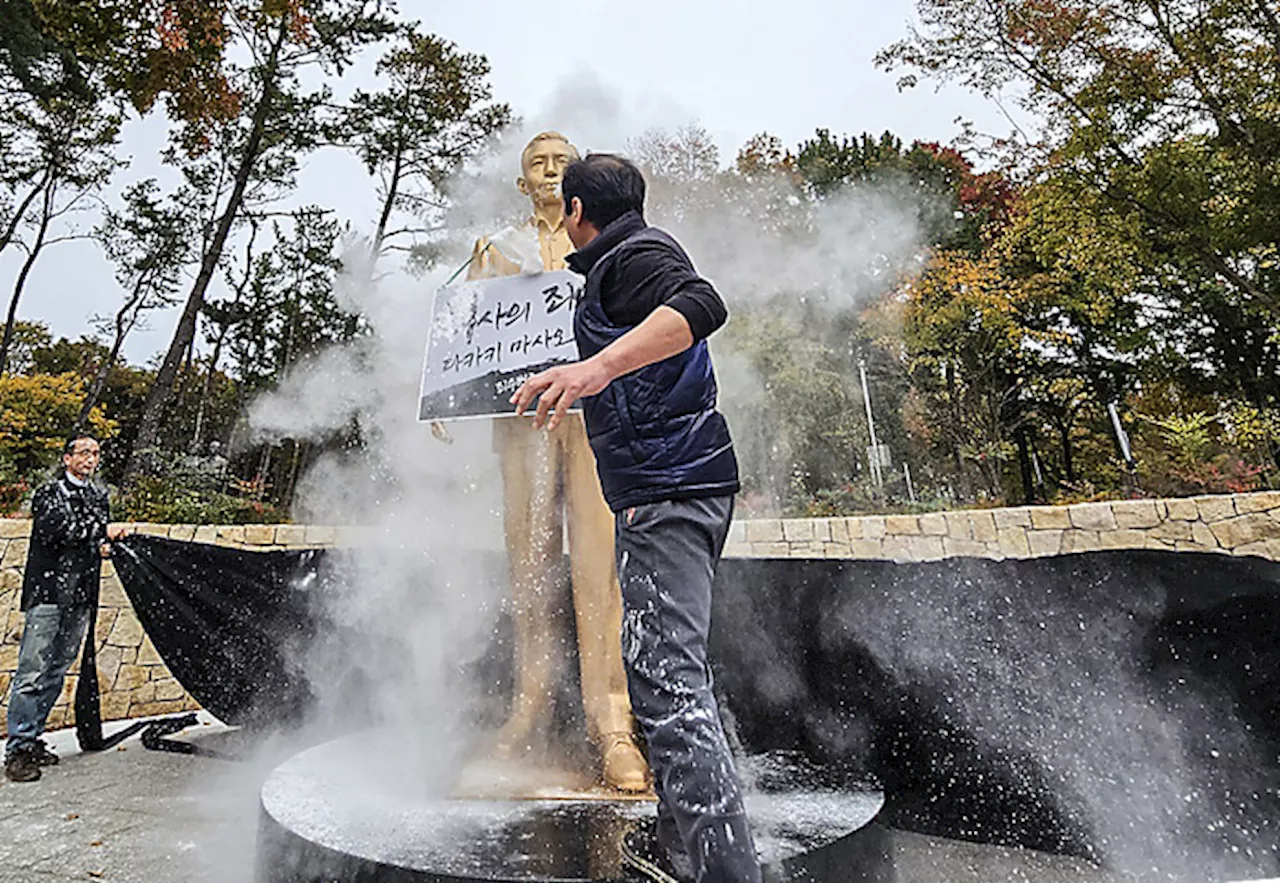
(51, 637)
(667, 557)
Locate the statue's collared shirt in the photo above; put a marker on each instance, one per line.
(554, 244)
(534, 246)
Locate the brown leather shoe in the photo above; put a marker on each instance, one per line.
(21, 766)
(622, 765)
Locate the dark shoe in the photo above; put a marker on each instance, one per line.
(21, 766)
(43, 756)
(642, 854)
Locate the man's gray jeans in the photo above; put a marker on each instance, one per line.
(51, 637)
(667, 555)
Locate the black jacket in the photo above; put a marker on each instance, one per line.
(69, 524)
(655, 432)
(648, 274)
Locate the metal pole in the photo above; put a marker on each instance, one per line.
(906, 471)
(871, 426)
(1122, 439)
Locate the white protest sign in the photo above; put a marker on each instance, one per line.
(488, 336)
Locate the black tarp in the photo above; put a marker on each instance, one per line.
(1030, 702)
(228, 625)
(245, 631)
(988, 697)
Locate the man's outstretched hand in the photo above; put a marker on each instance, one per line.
(556, 389)
(114, 532)
(662, 335)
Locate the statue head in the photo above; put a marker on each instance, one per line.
(542, 166)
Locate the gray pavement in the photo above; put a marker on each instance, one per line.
(130, 815)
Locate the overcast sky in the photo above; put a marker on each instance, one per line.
(737, 68)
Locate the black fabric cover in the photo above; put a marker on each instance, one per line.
(229, 624)
(1023, 702)
(993, 700)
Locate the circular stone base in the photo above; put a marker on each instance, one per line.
(334, 812)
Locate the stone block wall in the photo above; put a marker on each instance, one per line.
(133, 679)
(135, 682)
(1240, 524)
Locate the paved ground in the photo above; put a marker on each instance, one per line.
(129, 815)
(135, 816)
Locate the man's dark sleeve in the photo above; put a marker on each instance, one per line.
(657, 275)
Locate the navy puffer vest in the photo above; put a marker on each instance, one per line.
(655, 432)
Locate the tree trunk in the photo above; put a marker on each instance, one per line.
(286, 499)
(186, 375)
(1024, 464)
(7, 236)
(393, 189)
(162, 389)
(100, 379)
(124, 324)
(264, 465)
(1068, 467)
(21, 283)
(962, 481)
(206, 391)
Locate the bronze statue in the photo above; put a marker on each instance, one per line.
(550, 483)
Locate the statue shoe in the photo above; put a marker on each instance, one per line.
(623, 766)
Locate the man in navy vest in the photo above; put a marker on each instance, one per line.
(669, 474)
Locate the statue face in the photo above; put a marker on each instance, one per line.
(542, 169)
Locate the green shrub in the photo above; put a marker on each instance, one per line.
(178, 489)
